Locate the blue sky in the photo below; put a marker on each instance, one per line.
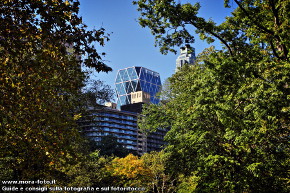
(132, 45)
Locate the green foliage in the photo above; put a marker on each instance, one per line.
(160, 180)
(5, 173)
(97, 92)
(94, 94)
(229, 113)
(232, 133)
(109, 146)
(90, 172)
(187, 184)
(264, 24)
(42, 46)
(147, 171)
(129, 171)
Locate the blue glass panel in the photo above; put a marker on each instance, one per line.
(143, 86)
(152, 99)
(120, 89)
(126, 85)
(142, 74)
(149, 76)
(156, 79)
(158, 82)
(123, 100)
(147, 88)
(134, 85)
(132, 73)
(129, 88)
(153, 80)
(118, 79)
(121, 72)
(145, 74)
(151, 90)
(124, 75)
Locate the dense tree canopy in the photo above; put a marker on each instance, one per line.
(109, 146)
(255, 25)
(229, 113)
(147, 172)
(90, 172)
(42, 46)
(97, 92)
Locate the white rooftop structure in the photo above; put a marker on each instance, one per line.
(185, 57)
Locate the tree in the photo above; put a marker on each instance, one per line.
(160, 180)
(91, 172)
(97, 92)
(109, 146)
(262, 23)
(147, 171)
(229, 113)
(42, 46)
(129, 171)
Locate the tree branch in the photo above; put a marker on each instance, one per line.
(274, 50)
(277, 21)
(275, 12)
(215, 35)
(255, 22)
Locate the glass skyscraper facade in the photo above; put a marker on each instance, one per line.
(185, 58)
(134, 87)
(134, 79)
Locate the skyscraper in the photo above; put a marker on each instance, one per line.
(137, 85)
(185, 57)
(109, 121)
(134, 87)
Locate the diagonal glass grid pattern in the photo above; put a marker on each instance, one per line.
(132, 73)
(118, 79)
(135, 79)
